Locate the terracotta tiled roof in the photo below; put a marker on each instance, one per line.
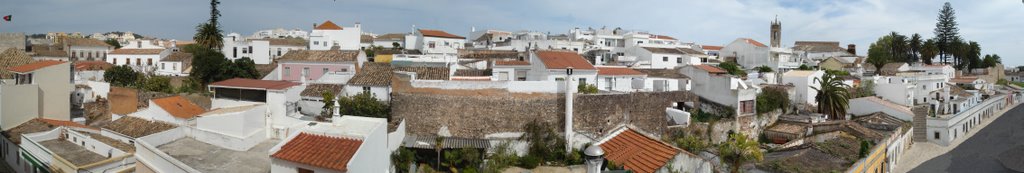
(10, 58)
(33, 66)
(711, 69)
(321, 151)
(320, 56)
(819, 46)
(659, 50)
(92, 65)
(136, 51)
(179, 107)
(563, 60)
(50, 53)
(515, 62)
(709, 47)
(373, 74)
(328, 25)
(64, 123)
(488, 54)
(365, 38)
(286, 41)
(427, 73)
(617, 71)
(179, 57)
(754, 42)
(137, 127)
(255, 84)
(31, 126)
(86, 42)
(963, 80)
(391, 37)
(439, 33)
(317, 90)
(662, 37)
(891, 68)
(473, 72)
(663, 73)
(637, 152)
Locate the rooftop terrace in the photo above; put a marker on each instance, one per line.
(209, 158)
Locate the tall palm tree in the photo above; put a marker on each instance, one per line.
(833, 97)
(208, 34)
(929, 50)
(739, 150)
(915, 47)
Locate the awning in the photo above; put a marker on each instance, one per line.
(428, 142)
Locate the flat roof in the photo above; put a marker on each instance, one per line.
(254, 84)
(209, 158)
(72, 152)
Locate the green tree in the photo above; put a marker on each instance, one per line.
(503, 157)
(402, 158)
(833, 97)
(242, 68)
(158, 84)
(462, 160)
(764, 69)
(771, 99)
(328, 109)
(364, 104)
(991, 60)
(396, 46)
(733, 69)
(113, 42)
(946, 31)
(122, 76)
(739, 150)
(915, 47)
(805, 67)
(973, 56)
(209, 34)
(892, 47)
(586, 89)
(543, 141)
(208, 65)
(928, 51)
(866, 88)
(692, 143)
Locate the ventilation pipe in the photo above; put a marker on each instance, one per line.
(568, 109)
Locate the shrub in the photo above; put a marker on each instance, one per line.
(529, 162)
(503, 157)
(772, 98)
(158, 84)
(587, 89)
(692, 143)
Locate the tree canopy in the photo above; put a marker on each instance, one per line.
(946, 31)
(122, 76)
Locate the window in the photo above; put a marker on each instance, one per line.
(316, 42)
(149, 61)
(279, 51)
(431, 44)
(174, 66)
(583, 81)
(679, 60)
(366, 89)
(325, 71)
(245, 50)
(446, 44)
(163, 66)
(936, 135)
(127, 61)
(344, 70)
(234, 52)
(664, 59)
(115, 61)
(287, 71)
(138, 61)
(305, 71)
(300, 170)
(251, 50)
(747, 106)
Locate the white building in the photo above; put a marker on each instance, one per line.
(142, 44)
(717, 85)
(86, 49)
(389, 40)
(261, 51)
(820, 50)
(328, 34)
(661, 58)
(748, 53)
(174, 110)
(804, 83)
(353, 144)
(141, 60)
(552, 66)
(435, 42)
(175, 64)
(280, 33)
(897, 89)
(957, 111)
(618, 78)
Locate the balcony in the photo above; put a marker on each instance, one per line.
(625, 58)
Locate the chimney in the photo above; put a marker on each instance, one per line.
(314, 25)
(357, 25)
(852, 49)
(568, 108)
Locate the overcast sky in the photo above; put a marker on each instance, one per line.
(996, 24)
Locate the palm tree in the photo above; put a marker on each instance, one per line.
(915, 47)
(208, 34)
(929, 50)
(739, 150)
(833, 97)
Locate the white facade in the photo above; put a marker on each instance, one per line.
(943, 129)
(722, 88)
(382, 93)
(142, 44)
(281, 33)
(748, 53)
(367, 158)
(438, 45)
(804, 83)
(146, 63)
(641, 57)
(155, 112)
(346, 38)
(242, 121)
(171, 68)
(236, 47)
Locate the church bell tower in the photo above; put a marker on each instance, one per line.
(776, 33)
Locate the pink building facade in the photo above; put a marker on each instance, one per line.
(294, 71)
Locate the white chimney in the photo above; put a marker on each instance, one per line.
(357, 25)
(472, 29)
(568, 109)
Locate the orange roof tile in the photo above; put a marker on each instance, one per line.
(318, 150)
(136, 51)
(617, 71)
(511, 63)
(328, 25)
(255, 84)
(33, 66)
(179, 107)
(709, 47)
(92, 65)
(711, 69)
(563, 60)
(754, 42)
(439, 33)
(637, 152)
(662, 37)
(64, 123)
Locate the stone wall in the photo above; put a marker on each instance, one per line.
(12, 40)
(477, 116)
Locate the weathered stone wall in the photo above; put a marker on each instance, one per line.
(476, 116)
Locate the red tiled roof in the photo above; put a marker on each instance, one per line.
(321, 151)
(328, 25)
(64, 123)
(711, 69)
(179, 107)
(709, 47)
(563, 60)
(963, 79)
(92, 65)
(439, 33)
(33, 66)
(754, 42)
(617, 71)
(637, 152)
(511, 63)
(662, 37)
(254, 83)
(136, 51)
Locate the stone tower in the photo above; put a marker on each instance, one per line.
(776, 33)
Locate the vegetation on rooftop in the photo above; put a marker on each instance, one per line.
(739, 150)
(364, 104)
(771, 99)
(733, 69)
